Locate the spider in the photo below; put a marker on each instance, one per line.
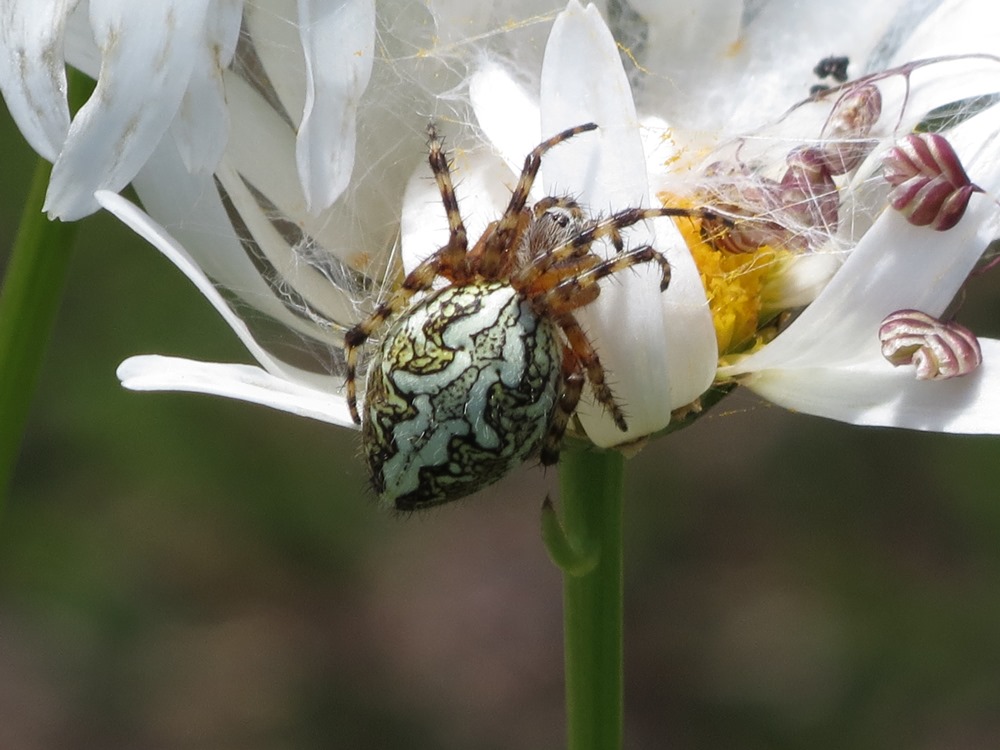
(480, 374)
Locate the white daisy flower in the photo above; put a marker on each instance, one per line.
(277, 164)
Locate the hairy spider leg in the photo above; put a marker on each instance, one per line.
(538, 276)
(503, 239)
(587, 357)
(579, 289)
(458, 241)
(564, 295)
(569, 397)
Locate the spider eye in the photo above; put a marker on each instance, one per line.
(569, 219)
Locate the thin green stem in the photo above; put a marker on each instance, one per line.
(29, 300)
(592, 484)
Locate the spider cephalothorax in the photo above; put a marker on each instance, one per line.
(485, 372)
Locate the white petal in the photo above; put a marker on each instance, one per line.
(689, 33)
(874, 392)
(338, 39)
(955, 27)
(243, 382)
(79, 46)
(148, 52)
(271, 171)
(507, 114)
(313, 283)
(736, 81)
(582, 81)
(274, 30)
(685, 52)
(32, 72)
(895, 266)
(358, 229)
(800, 281)
(189, 205)
(157, 236)
(202, 123)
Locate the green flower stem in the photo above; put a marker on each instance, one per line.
(29, 300)
(592, 484)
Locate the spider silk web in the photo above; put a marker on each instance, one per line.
(305, 280)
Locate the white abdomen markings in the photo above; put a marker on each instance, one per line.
(461, 391)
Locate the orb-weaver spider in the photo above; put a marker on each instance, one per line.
(479, 375)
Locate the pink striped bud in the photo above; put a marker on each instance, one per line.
(930, 186)
(936, 349)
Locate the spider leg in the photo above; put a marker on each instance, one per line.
(507, 228)
(577, 290)
(529, 277)
(572, 387)
(547, 278)
(533, 161)
(585, 353)
(458, 241)
(565, 293)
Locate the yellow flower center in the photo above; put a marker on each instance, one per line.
(734, 284)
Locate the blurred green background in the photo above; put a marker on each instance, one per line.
(178, 571)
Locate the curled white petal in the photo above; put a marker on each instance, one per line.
(32, 72)
(202, 123)
(338, 40)
(242, 382)
(190, 205)
(271, 171)
(157, 236)
(873, 392)
(148, 50)
(801, 279)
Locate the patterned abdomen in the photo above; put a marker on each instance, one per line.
(461, 391)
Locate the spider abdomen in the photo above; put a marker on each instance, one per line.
(461, 391)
